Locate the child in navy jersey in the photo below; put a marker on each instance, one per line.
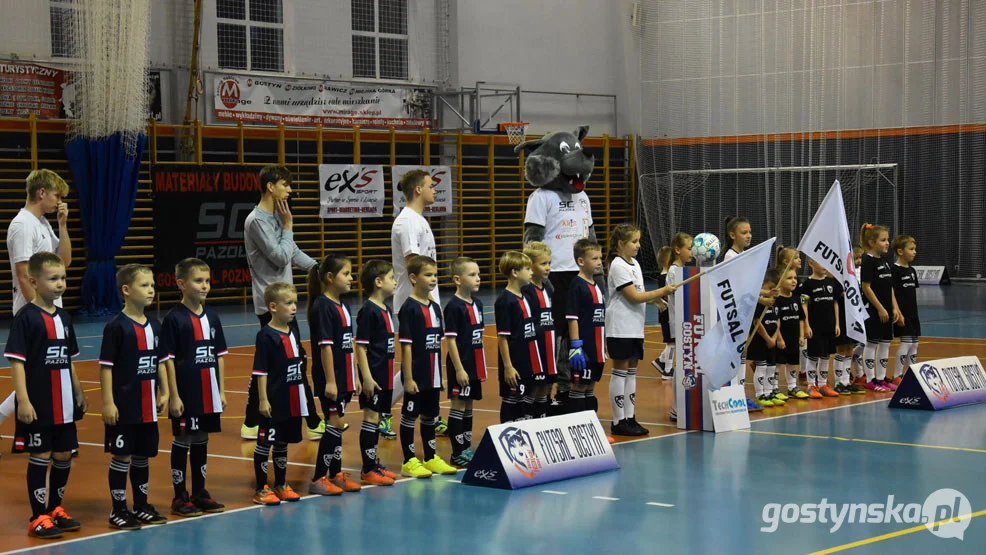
(194, 345)
(586, 327)
(49, 396)
(538, 294)
(133, 373)
(466, 363)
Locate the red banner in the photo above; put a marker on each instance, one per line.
(30, 88)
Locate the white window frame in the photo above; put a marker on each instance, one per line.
(377, 35)
(247, 24)
(61, 5)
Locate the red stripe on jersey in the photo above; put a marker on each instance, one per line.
(389, 322)
(196, 327)
(56, 388)
(426, 311)
(600, 356)
(472, 315)
(390, 373)
(207, 400)
(350, 373)
(549, 351)
(286, 343)
(535, 358)
(594, 290)
(343, 315)
(141, 338)
(147, 408)
(294, 401)
(480, 356)
(433, 360)
(525, 310)
(542, 298)
(50, 327)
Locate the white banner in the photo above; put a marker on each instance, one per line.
(441, 176)
(929, 275)
(529, 452)
(735, 287)
(302, 102)
(350, 191)
(729, 408)
(827, 241)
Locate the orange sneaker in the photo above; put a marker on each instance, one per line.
(861, 380)
(392, 475)
(285, 493)
(323, 486)
(827, 391)
(265, 497)
(63, 521)
(897, 380)
(342, 481)
(43, 528)
(611, 440)
(376, 477)
(814, 393)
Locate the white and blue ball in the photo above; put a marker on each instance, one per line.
(705, 248)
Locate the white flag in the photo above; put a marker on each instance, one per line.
(827, 241)
(736, 287)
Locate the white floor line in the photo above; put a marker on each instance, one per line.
(655, 504)
(553, 492)
(601, 498)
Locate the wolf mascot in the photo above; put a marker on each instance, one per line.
(559, 214)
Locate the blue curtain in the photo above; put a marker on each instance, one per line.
(106, 178)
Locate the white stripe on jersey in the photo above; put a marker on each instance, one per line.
(217, 403)
(206, 330)
(436, 370)
(154, 393)
(149, 337)
(294, 345)
(347, 319)
(59, 330)
(302, 401)
(434, 316)
(65, 384)
(477, 313)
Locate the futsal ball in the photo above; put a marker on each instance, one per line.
(705, 248)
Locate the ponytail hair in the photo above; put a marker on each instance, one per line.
(782, 254)
(680, 241)
(870, 232)
(730, 224)
(331, 264)
(620, 234)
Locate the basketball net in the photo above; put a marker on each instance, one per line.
(516, 131)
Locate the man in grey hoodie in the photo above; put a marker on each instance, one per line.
(271, 252)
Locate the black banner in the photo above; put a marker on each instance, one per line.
(199, 211)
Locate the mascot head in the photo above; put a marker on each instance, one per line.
(557, 161)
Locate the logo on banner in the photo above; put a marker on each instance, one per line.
(934, 382)
(519, 448)
(229, 93)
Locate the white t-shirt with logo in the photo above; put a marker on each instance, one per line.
(623, 317)
(411, 234)
(566, 218)
(28, 235)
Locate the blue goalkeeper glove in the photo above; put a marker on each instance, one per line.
(576, 358)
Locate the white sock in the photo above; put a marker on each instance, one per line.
(760, 377)
(666, 354)
(791, 373)
(803, 358)
(7, 407)
(630, 393)
(912, 353)
(869, 360)
(857, 360)
(901, 360)
(823, 371)
(811, 371)
(771, 378)
(740, 378)
(616, 397)
(882, 358)
(398, 389)
(840, 370)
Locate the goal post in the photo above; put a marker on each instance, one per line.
(778, 201)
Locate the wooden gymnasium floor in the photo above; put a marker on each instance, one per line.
(668, 491)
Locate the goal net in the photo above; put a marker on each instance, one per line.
(778, 201)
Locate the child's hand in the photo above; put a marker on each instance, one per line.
(882, 312)
(898, 317)
(770, 343)
(162, 404)
(111, 415)
(766, 301)
(511, 376)
(781, 344)
(82, 402)
(576, 358)
(801, 340)
(807, 332)
(370, 386)
(462, 378)
(222, 399)
(838, 331)
(25, 412)
(410, 387)
(359, 388)
(331, 391)
(264, 408)
(177, 407)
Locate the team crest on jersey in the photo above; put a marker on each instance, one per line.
(829, 289)
(41, 494)
(517, 444)
(156, 341)
(212, 332)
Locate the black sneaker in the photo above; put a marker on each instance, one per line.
(856, 389)
(147, 514)
(842, 389)
(63, 520)
(206, 503)
(642, 431)
(622, 428)
(182, 507)
(44, 528)
(124, 520)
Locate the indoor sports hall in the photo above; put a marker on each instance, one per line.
(814, 125)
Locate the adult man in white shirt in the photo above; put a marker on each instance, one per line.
(409, 237)
(30, 233)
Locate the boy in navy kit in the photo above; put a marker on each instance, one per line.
(48, 394)
(132, 374)
(466, 362)
(375, 329)
(277, 366)
(538, 294)
(421, 336)
(586, 327)
(192, 336)
(517, 341)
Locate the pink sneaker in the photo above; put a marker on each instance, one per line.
(871, 385)
(889, 385)
(878, 386)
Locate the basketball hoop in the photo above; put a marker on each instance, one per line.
(516, 131)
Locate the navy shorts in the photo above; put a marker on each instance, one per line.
(592, 373)
(58, 438)
(336, 407)
(625, 348)
(285, 431)
(471, 392)
(380, 402)
(205, 423)
(911, 328)
(423, 403)
(821, 345)
(132, 439)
